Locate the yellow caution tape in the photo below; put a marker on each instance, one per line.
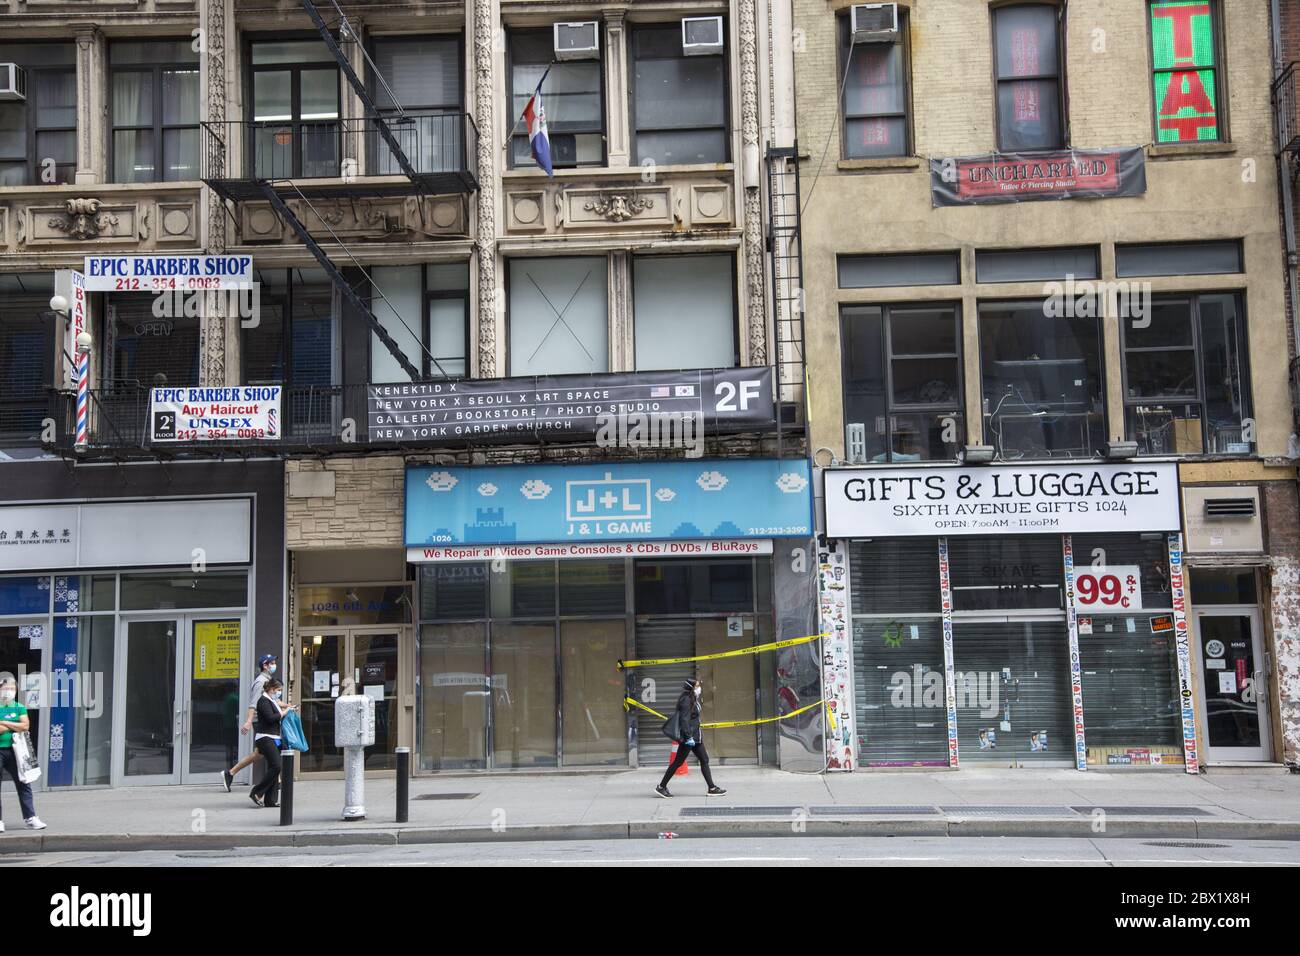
(632, 702)
(757, 649)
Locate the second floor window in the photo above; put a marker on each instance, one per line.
(902, 380)
(294, 108)
(558, 315)
(1185, 77)
(679, 102)
(155, 111)
(572, 96)
(1027, 65)
(875, 96)
(38, 137)
(421, 76)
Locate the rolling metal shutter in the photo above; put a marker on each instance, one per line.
(654, 639)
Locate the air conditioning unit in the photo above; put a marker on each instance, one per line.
(577, 41)
(701, 36)
(13, 83)
(874, 22)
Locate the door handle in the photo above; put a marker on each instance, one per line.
(180, 722)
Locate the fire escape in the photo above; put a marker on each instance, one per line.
(304, 160)
(1287, 121)
(785, 246)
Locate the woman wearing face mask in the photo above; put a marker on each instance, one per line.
(688, 717)
(266, 738)
(266, 666)
(13, 719)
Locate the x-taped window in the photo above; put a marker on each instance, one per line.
(558, 316)
(1185, 77)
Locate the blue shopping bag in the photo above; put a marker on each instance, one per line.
(291, 732)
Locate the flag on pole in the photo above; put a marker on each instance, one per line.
(538, 139)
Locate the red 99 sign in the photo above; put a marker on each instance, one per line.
(1117, 588)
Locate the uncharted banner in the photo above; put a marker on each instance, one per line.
(1025, 177)
(563, 407)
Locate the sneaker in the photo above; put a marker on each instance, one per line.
(716, 791)
(34, 823)
(227, 778)
(662, 791)
(2, 827)
(257, 801)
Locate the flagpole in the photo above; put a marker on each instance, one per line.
(511, 135)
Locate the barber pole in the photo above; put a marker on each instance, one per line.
(83, 399)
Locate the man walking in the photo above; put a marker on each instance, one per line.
(266, 668)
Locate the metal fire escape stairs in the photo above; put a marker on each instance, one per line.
(785, 246)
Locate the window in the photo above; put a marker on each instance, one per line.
(876, 95)
(38, 137)
(1032, 265)
(422, 76)
(884, 271)
(27, 356)
(559, 316)
(1178, 259)
(1186, 383)
(572, 95)
(155, 110)
(1185, 71)
(1030, 90)
(143, 351)
(684, 311)
(902, 380)
(679, 103)
(295, 110)
(434, 344)
(1042, 379)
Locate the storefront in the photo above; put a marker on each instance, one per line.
(534, 582)
(1009, 616)
(132, 623)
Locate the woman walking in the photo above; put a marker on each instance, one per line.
(14, 720)
(266, 738)
(688, 738)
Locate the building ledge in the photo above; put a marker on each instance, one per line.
(1189, 150)
(582, 173)
(884, 164)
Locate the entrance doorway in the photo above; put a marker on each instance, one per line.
(380, 660)
(1234, 684)
(179, 680)
(20, 655)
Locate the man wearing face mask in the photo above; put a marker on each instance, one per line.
(688, 736)
(266, 668)
(13, 719)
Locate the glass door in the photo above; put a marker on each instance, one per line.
(151, 719)
(376, 666)
(21, 646)
(1234, 684)
(323, 656)
(214, 700)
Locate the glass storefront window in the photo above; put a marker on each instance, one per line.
(179, 591)
(1224, 586)
(26, 595)
(524, 589)
(453, 696)
(595, 726)
(592, 587)
(341, 605)
(523, 695)
(85, 732)
(694, 586)
(1006, 573)
(80, 594)
(453, 591)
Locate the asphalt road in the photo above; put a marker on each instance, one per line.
(783, 851)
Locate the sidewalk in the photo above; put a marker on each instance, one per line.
(622, 804)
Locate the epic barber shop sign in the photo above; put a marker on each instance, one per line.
(1001, 499)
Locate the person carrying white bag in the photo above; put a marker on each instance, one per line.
(14, 723)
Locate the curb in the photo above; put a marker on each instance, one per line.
(951, 827)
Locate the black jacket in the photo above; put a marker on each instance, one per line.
(266, 719)
(688, 715)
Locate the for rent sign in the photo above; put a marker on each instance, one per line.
(1011, 499)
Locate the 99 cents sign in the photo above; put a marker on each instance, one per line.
(1116, 588)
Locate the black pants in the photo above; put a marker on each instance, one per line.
(268, 786)
(10, 765)
(701, 755)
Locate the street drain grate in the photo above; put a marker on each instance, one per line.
(737, 811)
(845, 811)
(1147, 811)
(1188, 845)
(987, 811)
(446, 796)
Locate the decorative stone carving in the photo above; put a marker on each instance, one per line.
(484, 109)
(83, 219)
(618, 207)
(755, 309)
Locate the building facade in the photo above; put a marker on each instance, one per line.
(1049, 382)
(310, 246)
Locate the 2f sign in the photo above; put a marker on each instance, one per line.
(729, 393)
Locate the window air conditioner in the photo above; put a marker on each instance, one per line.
(577, 41)
(874, 22)
(13, 83)
(701, 36)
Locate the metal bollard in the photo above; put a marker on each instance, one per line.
(286, 787)
(403, 784)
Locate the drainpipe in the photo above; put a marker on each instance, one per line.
(1288, 224)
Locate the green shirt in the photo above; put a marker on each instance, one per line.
(14, 712)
